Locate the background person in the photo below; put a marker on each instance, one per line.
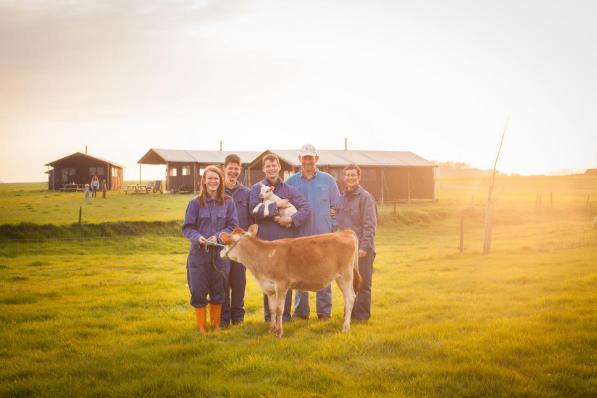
(95, 184)
(207, 215)
(321, 191)
(269, 228)
(233, 309)
(357, 212)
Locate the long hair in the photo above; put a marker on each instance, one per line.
(220, 195)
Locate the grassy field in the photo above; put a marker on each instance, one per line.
(104, 311)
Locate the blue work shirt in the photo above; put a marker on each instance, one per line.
(209, 220)
(268, 228)
(322, 194)
(240, 194)
(357, 212)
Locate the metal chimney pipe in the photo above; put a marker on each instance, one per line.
(85, 149)
(345, 144)
(220, 145)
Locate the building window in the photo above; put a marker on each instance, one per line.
(186, 170)
(96, 171)
(201, 171)
(173, 172)
(114, 172)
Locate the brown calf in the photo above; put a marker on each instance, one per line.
(308, 263)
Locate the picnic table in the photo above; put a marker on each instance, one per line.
(137, 188)
(72, 187)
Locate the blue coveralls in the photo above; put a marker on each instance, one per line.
(234, 288)
(357, 212)
(322, 193)
(205, 269)
(271, 230)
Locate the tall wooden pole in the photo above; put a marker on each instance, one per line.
(489, 210)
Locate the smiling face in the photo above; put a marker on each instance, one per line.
(232, 172)
(308, 163)
(352, 179)
(212, 182)
(271, 169)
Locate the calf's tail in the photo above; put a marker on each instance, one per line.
(356, 279)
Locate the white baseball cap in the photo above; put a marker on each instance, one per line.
(308, 150)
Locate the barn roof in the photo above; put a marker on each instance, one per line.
(327, 157)
(163, 156)
(331, 157)
(82, 156)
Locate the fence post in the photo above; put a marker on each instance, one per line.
(80, 215)
(461, 246)
(551, 200)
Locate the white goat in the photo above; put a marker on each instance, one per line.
(269, 197)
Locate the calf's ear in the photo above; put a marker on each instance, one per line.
(225, 238)
(238, 230)
(253, 229)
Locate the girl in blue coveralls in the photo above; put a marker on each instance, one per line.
(207, 215)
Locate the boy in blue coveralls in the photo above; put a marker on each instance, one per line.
(272, 226)
(322, 193)
(208, 215)
(234, 288)
(357, 212)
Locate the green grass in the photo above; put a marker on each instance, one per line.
(108, 315)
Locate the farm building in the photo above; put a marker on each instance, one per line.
(74, 171)
(183, 168)
(390, 176)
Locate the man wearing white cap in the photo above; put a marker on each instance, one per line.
(321, 191)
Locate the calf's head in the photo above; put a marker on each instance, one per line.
(231, 240)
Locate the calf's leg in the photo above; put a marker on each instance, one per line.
(272, 302)
(280, 300)
(345, 284)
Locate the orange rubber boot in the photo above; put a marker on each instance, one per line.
(215, 314)
(201, 319)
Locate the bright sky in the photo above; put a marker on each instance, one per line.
(438, 78)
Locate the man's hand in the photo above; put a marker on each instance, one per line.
(202, 240)
(362, 253)
(283, 203)
(285, 221)
(212, 239)
(333, 212)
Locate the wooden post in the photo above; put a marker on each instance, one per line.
(167, 174)
(382, 185)
(434, 193)
(489, 211)
(551, 200)
(461, 246)
(80, 215)
(408, 183)
(540, 199)
(139, 173)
